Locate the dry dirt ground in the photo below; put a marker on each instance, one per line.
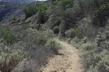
(69, 61)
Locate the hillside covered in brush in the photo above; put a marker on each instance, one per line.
(84, 24)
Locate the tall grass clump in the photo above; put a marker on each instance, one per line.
(53, 46)
(8, 60)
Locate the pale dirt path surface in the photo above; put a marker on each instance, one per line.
(69, 61)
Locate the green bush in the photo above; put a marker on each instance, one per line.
(29, 11)
(33, 9)
(7, 35)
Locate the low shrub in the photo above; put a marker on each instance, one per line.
(7, 35)
(53, 45)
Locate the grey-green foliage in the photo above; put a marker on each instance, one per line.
(97, 59)
(102, 40)
(97, 62)
(35, 37)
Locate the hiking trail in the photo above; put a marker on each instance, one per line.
(41, 60)
(69, 61)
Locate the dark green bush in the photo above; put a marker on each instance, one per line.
(7, 35)
(29, 11)
(33, 9)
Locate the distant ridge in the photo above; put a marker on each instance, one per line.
(18, 2)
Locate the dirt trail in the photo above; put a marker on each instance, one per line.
(70, 61)
(42, 60)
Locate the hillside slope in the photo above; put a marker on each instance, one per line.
(83, 23)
